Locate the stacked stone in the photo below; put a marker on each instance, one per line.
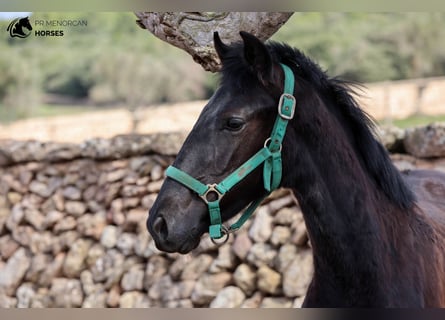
(72, 234)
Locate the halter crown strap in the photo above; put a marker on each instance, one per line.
(270, 155)
(286, 109)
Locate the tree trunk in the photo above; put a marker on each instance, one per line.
(193, 31)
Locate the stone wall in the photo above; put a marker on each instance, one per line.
(72, 233)
(384, 100)
(404, 98)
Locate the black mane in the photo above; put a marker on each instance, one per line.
(339, 93)
(372, 245)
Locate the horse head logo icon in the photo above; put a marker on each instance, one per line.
(17, 28)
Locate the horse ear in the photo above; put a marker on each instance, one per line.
(220, 47)
(257, 56)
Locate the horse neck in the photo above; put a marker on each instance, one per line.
(338, 205)
(350, 221)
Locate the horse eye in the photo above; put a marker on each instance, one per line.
(234, 124)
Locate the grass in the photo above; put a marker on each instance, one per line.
(418, 120)
(46, 110)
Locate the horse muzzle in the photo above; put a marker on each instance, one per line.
(170, 237)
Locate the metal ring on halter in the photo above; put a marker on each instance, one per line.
(225, 237)
(211, 188)
(269, 140)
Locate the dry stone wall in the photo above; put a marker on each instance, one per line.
(72, 233)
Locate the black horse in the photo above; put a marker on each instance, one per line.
(16, 26)
(378, 235)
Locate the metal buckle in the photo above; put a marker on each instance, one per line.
(211, 188)
(280, 103)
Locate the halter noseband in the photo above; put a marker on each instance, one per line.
(270, 154)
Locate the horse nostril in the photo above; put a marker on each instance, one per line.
(160, 227)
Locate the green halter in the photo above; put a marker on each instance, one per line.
(270, 154)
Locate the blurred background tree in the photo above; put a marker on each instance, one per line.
(113, 62)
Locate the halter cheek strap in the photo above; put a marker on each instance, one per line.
(270, 155)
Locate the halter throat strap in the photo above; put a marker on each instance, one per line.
(270, 155)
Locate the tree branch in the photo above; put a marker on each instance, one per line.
(193, 31)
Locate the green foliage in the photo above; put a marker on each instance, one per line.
(19, 82)
(371, 47)
(112, 60)
(142, 79)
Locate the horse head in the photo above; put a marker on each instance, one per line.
(232, 127)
